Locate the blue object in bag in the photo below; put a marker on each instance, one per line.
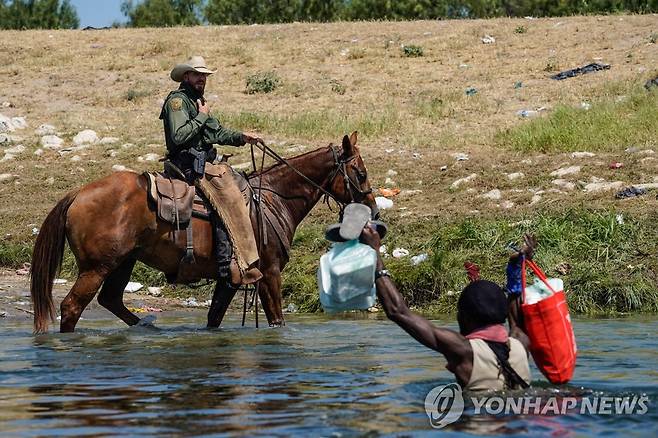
(346, 277)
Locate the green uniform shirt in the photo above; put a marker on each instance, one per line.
(185, 127)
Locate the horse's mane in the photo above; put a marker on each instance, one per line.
(275, 166)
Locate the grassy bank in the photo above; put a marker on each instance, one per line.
(465, 162)
(608, 260)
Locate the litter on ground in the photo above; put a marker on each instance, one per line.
(589, 68)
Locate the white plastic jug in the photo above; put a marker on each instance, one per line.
(346, 276)
(539, 291)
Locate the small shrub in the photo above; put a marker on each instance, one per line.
(551, 65)
(412, 51)
(337, 87)
(133, 95)
(356, 53)
(520, 29)
(262, 82)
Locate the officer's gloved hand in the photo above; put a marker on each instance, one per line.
(252, 139)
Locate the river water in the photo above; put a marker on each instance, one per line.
(317, 376)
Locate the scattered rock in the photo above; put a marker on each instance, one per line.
(391, 172)
(586, 106)
(602, 186)
(535, 199)
(50, 180)
(400, 252)
(38, 152)
(60, 281)
(149, 157)
(291, 308)
(18, 149)
(7, 177)
(566, 171)
(443, 168)
(647, 186)
(389, 182)
(127, 146)
(564, 184)
(76, 158)
(515, 175)
(6, 124)
(35, 231)
(494, 194)
(5, 139)
(488, 39)
(119, 168)
(416, 156)
(464, 180)
(19, 122)
(85, 137)
(154, 291)
(109, 140)
(45, 129)
(582, 155)
(7, 157)
(459, 156)
(507, 204)
(406, 193)
(51, 142)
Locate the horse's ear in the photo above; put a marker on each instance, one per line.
(347, 146)
(353, 138)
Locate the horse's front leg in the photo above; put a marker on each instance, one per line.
(221, 299)
(269, 292)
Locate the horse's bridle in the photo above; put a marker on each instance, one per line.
(350, 186)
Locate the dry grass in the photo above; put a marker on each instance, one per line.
(334, 78)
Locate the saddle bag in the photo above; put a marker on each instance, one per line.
(175, 199)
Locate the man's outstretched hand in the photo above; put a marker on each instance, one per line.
(252, 139)
(371, 238)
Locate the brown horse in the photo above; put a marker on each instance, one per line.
(109, 225)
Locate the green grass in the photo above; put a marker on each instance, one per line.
(316, 124)
(613, 123)
(613, 266)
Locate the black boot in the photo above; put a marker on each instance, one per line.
(223, 249)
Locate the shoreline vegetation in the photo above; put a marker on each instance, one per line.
(546, 170)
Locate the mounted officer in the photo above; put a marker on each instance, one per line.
(190, 133)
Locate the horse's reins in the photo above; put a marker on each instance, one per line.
(340, 166)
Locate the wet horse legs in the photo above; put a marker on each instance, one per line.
(111, 296)
(81, 294)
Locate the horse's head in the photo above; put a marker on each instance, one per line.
(350, 181)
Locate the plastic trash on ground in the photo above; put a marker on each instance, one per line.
(418, 259)
(133, 286)
(400, 252)
(383, 203)
(346, 277)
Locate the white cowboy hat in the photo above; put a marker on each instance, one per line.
(195, 63)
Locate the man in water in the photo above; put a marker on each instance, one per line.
(482, 355)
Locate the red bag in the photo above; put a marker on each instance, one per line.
(548, 325)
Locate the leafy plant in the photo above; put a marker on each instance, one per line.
(262, 82)
(412, 51)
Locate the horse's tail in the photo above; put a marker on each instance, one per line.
(46, 262)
